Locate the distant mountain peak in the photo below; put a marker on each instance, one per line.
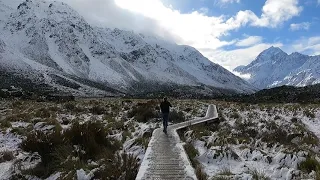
(273, 51)
(271, 54)
(297, 54)
(273, 67)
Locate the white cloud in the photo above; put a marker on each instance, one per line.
(243, 76)
(234, 58)
(196, 28)
(274, 13)
(201, 31)
(249, 41)
(312, 45)
(299, 26)
(204, 10)
(229, 1)
(224, 2)
(106, 13)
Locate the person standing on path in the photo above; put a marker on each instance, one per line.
(165, 109)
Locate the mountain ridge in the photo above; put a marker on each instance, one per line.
(50, 38)
(273, 67)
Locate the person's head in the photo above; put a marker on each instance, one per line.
(165, 99)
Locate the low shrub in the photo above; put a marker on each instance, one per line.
(91, 137)
(276, 135)
(192, 153)
(70, 150)
(43, 113)
(294, 120)
(176, 117)
(6, 156)
(258, 175)
(226, 171)
(122, 166)
(235, 115)
(142, 141)
(125, 135)
(42, 143)
(98, 110)
(5, 123)
(277, 117)
(19, 117)
(309, 114)
(201, 175)
(188, 109)
(69, 106)
(143, 112)
(309, 165)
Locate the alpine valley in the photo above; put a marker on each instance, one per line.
(47, 46)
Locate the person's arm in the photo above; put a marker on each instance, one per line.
(170, 105)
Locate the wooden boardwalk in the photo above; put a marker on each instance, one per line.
(165, 157)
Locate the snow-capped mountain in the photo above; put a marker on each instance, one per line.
(52, 43)
(273, 67)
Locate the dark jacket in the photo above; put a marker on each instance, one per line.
(165, 107)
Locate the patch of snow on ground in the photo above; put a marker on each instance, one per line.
(9, 142)
(274, 162)
(5, 170)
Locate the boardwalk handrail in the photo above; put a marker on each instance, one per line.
(211, 114)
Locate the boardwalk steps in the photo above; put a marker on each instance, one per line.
(165, 157)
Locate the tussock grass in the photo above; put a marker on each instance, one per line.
(176, 116)
(201, 175)
(70, 150)
(258, 175)
(20, 117)
(225, 171)
(309, 165)
(235, 115)
(192, 154)
(309, 113)
(122, 166)
(98, 110)
(5, 123)
(143, 112)
(142, 141)
(81, 143)
(43, 113)
(6, 156)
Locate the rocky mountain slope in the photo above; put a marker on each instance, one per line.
(51, 43)
(273, 67)
(281, 94)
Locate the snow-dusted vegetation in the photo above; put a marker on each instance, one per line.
(103, 139)
(107, 139)
(274, 141)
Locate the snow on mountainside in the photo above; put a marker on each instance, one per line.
(273, 67)
(52, 41)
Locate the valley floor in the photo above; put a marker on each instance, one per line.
(108, 137)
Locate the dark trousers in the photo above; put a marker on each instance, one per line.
(165, 117)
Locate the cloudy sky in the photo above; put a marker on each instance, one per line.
(228, 32)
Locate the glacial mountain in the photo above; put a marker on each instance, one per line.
(273, 68)
(51, 44)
